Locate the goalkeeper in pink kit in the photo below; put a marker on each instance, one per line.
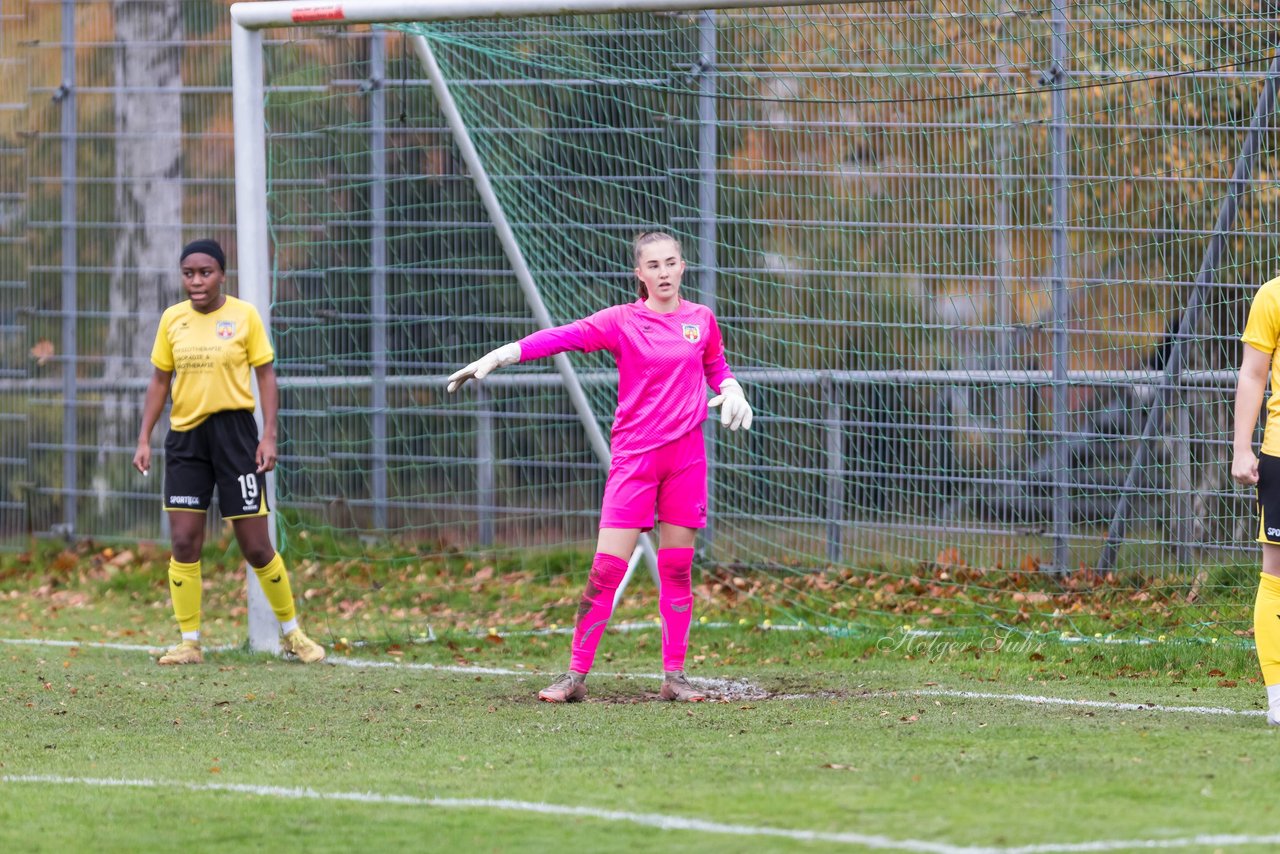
(668, 351)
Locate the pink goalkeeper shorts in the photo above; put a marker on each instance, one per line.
(672, 478)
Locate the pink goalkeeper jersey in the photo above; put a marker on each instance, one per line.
(665, 362)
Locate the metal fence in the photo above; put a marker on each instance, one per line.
(837, 447)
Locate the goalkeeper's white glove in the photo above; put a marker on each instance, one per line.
(735, 412)
(507, 354)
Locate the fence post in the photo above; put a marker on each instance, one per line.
(833, 421)
(70, 300)
(1183, 495)
(1061, 417)
(378, 276)
(484, 464)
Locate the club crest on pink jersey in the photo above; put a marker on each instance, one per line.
(225, 328)
(692, 333)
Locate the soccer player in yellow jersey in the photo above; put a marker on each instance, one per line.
(207, 346)
(1261, 339)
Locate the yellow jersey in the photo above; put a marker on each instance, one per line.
(1262, 332)
(210, 356)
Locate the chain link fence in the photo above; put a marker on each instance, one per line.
(116, 145)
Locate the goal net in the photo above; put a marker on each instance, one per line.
(981, 269)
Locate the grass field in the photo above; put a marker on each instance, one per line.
(907, 741)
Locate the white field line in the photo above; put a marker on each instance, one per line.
(1093, 704)
(137, 647)
(126, 647)
(657, 820)
(740, 688)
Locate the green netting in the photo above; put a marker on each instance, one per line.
(951, 368)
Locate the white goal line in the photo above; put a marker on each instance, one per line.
(655, 820)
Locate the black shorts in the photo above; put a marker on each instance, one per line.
(220, 450)
(1269, 499)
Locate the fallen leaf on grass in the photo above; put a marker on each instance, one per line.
(949, 558)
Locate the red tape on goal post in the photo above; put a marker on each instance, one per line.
(318, 13)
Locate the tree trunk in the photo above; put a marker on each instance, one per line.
(144, 278)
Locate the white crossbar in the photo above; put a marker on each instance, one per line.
(287, 13)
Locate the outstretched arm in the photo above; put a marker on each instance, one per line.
(596, 332)
(1250, 385)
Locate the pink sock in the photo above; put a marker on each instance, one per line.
(594, 609)
(675, 604)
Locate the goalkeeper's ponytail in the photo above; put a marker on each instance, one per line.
(642, 240)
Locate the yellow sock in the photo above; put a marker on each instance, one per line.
(1266, 628)
(275, 583)
(184, 588)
